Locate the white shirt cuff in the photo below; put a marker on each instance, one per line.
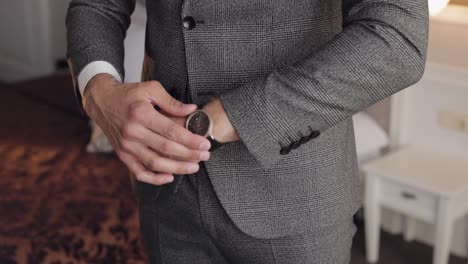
(92, 69)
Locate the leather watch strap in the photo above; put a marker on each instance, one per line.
(214, 144)
(201, 101)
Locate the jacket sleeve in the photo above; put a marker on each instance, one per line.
(96, 31)
(380, 51)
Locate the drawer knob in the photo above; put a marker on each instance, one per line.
(408, 195)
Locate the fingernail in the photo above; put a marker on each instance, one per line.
(189, 106)
(192, 168)
(205, 155)
(168, 179)
(205, 146)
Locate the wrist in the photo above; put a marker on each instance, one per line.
(222, 128)
(97, 85)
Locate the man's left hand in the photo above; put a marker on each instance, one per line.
(223, 131)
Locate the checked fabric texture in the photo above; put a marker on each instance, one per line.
(283, 70)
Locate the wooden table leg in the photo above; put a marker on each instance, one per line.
(443, 232)
(466, 236)
(410, 226)
(372, 218)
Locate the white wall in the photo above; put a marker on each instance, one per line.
(135, 44)
(58, 30)
(33, 37)
(448, 38)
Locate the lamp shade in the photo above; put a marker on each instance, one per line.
(436, 6)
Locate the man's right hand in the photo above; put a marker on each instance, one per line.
(152, 145)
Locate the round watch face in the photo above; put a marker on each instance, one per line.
(199, 123)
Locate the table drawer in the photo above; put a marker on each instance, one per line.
(408, 200)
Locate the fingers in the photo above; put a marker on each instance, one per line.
(141, 173)
(160, 97)
(144, 114)
(172, 131)
(155, 162)
(156, 179)
(179, 120)
(165, 146)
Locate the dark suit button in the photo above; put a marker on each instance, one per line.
(188, 22)
(312, 135)
(295, 145)
(285, 150)
(315, 134)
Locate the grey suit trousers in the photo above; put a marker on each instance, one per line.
(187, 224)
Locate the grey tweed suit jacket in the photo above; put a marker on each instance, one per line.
(290, 75)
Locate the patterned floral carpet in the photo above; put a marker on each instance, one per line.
(59, 204)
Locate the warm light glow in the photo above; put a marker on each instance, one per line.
(436, 6)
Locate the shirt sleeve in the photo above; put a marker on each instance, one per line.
(91, 70)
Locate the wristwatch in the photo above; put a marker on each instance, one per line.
(200, 123)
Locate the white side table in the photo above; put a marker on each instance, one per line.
(420, 183)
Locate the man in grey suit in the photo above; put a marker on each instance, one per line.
(279, 82)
